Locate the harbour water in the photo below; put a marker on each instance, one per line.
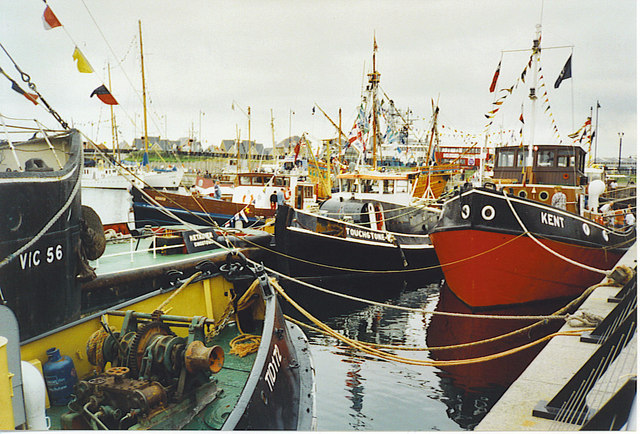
(356, 391)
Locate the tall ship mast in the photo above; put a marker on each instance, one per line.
(145, 158)
(374, 79)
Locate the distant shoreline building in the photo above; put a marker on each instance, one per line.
(184, 144)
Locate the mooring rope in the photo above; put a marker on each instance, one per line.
(548, 249)
(559, 314)
(368, 349)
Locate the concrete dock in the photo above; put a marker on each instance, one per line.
(554, 366)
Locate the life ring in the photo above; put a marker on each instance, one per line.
(287, 194)
(565, 176)
(379, 218)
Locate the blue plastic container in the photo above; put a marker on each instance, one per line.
(60, 376)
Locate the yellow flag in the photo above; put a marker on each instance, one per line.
(83, 63)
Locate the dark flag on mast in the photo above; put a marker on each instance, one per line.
(104, 95)
(564, 74)
(495, 78)
(30, 96)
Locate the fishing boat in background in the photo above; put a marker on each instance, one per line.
(157, 207)
(385, 195)
(311, 245)
(403, 196)
(248, 203)
(509, 242)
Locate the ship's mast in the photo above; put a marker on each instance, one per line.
(374, 79)
(533, 97)
(249, 134)
(144, 91)
(114, 129)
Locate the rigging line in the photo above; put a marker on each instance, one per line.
(27, 79)
(411, 209)
(553, 252)
(120, 168)
(119, 63)
(115, 58)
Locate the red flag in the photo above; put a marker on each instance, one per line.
(30, 96)
(104, 95)
(49, 19)
(297, 151)
(495, 78)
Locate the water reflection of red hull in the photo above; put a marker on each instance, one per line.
(447, 330)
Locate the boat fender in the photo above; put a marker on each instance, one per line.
(92, 233)
(489, 185)
(34, 391)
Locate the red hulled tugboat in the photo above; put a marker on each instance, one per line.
(512, 242)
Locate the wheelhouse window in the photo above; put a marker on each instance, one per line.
(387, 186)
(308, 192)
(520, 159)
(546, 158)
(566, 158)
(506, 159)
(402, 186)
(369, 186)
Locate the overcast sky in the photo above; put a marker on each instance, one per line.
(203, 57)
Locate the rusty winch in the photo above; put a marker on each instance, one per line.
(150, 368)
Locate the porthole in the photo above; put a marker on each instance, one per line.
(488, 212)
(544, 195)
(465, 211)
(605, 235)
(522, 194)
(586, 229)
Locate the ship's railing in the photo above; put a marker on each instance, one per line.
(16, 130)
(135, 250)
(605, 376)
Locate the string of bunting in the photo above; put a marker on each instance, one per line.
(547, 105)
(50, 22)
(583, 132)
(504, 93)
